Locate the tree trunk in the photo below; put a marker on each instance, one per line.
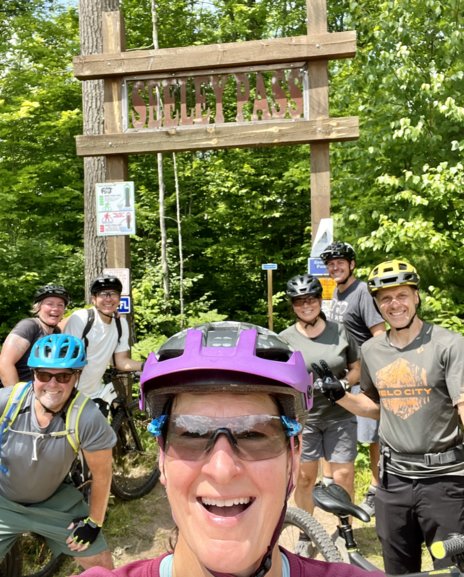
(91, 39)
(161, 188)
(179, 236)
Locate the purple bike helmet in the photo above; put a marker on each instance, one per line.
(227, 356)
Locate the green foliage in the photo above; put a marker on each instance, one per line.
(397, 191)
(40, 177)
(156, 319)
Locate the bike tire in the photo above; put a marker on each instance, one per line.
(11, 565)
(36, 557)
(299, 521)
(135, 456)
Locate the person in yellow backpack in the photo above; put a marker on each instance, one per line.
(43, 424)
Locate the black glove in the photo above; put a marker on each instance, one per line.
(85, 531)
(327, 383)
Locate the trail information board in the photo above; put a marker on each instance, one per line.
(115, 208)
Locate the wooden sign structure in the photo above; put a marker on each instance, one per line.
(171, 99)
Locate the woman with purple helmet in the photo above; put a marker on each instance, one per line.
(226, 399)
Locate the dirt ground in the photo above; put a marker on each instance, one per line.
(149, 525)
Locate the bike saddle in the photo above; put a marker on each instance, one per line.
(334, 499)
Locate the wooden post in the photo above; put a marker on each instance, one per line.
(116, 165)
(118, 247)
(270, 323)
(318, 108)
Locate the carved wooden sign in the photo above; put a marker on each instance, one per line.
(253, 93)
(193, 100)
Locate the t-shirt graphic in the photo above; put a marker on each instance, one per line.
(402, 386)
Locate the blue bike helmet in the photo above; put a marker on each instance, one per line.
(58, 351)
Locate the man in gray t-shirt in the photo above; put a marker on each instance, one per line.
(412, 377)
(353, 306)
(43, 425)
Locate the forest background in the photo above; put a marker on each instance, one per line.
(396, 192)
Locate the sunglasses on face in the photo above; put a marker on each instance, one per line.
(45, 377)
(252, 437)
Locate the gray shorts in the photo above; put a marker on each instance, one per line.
(50, 519)
(334, 441)
(368, 429)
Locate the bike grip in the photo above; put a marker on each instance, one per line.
(454, 545)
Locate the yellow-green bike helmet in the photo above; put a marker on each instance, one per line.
(392, 273)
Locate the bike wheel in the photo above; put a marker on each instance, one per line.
(11, 564)
(297, 521)
(37, 558)
(135, 456)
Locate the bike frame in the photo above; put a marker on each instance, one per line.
(342, 507)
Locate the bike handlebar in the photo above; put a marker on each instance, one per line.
(453, 545)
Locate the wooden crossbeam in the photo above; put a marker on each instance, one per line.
(220, 136)
(325, 46)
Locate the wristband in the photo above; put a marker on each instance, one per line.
(93, 523)
(346, 384)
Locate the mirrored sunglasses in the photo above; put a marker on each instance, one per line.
(252, 437)
(45, 377)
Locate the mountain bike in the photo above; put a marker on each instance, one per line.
(334, 499)
(135, 471)
(135, 456)
(298, 523)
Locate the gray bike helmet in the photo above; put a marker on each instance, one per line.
(338, 250)
(304, 285)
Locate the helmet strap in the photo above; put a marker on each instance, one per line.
(63, 410)
(310, 323)
(345, 280)
(112, 316)
(47, 410)
(306, 323)
(408, 325)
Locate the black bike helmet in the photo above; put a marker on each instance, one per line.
(304, 285)
(338, 250)
(51, 290)
(103, 283)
